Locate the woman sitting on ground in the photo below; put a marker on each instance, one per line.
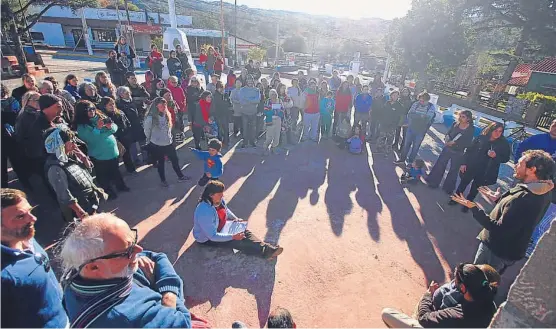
(466, 302)
(212, 214)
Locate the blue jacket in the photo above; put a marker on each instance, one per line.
(143, 307)
(420, 117)
(363, 103)
(249, 98)
(205, 223)
(73, 91)
(31, 296)
(355, 144)
(537, 142)
(212, 164)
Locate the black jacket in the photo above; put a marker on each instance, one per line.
(389, 114)
(193, 95)
(508, 229)
(479, 165)
(135, 121)
(117, 71)
(220, 107)
(124, 133)
(184, 60)
(174, 65)
(465, 315)
(18, 93)
(464, 141)
(136, 92)
(31, 139)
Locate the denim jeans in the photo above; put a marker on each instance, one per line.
(486, 256)
(413, 142)
(311, 122)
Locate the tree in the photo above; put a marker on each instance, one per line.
(109, 4)
(15, 24)
(256, 54)
(534, 19)
(295, 44)
(432, 37)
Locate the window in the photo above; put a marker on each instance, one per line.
(37, 36)
(104, 35)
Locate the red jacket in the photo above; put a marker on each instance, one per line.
(155, 55)
(179, 97)
(203, 58)
(219, 65)
(343, 102)
(205, 109)
(311, 103)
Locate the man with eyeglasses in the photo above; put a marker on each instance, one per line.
(31, 294)
(110, 281)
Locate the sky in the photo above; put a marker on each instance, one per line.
(355, 9)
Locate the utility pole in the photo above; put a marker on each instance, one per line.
(235, 30)
(119, 19)
(130, 30)
(222, 28)
(277, 41)
(85, 32)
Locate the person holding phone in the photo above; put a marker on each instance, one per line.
(211, 216)
(97, 131)
(482, 160)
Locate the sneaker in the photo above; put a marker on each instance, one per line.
(276, 253)
(164, 184)
(399, 162)
(184, 178)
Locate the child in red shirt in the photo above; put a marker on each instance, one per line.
(155, 62)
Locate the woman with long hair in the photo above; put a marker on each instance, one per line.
(457, 139)
(125, 53)
(104, 86)
(406, 101)
(70, 85)
(158, 130)
(97, 131)
(344, 102)
(199, 114)
(127, 106)
(482, 160)
(157, 85)
(215, 225)
(22, 133)
(124, 135)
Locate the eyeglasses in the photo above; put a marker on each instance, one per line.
(68, 277)
(41, 260)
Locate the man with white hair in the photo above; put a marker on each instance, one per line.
(31, 295)
(110, 281)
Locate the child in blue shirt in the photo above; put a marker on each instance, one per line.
(326, 108)
(413, 175)
(212, 159)
(355, 142)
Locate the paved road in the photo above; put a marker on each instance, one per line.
(355, 240)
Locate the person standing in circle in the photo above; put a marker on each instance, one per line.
(458, 138)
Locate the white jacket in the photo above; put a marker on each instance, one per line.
(297, 96)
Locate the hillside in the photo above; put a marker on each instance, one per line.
(324, 34)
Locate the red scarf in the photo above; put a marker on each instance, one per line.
(205, 109)
(222, 216)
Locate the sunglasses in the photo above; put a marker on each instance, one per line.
(91, 109)
(68, 277)
(41, 260)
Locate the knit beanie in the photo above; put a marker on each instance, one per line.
(47, 100)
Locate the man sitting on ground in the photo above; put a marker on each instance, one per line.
(132, 288)
(31, 295)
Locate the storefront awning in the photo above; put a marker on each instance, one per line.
(147, 29)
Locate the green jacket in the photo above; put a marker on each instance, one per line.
(101, 143)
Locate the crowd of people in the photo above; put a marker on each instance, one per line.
(74, 137)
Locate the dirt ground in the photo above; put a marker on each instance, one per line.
(355, 241)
